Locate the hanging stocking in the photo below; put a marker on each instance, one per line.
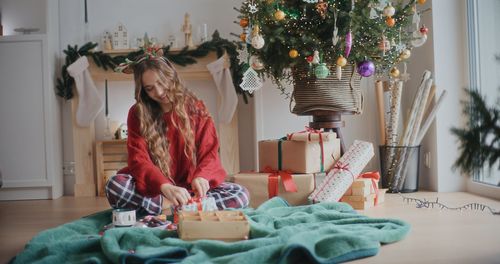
(224, 82)
(89, 102)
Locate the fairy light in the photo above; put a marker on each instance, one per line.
(424, 203)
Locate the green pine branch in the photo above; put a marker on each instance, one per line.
(64, 85)
(479, 141)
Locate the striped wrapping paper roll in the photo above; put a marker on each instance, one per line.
(345, 171)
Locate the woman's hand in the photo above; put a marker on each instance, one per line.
(200, 186)
(175, 194)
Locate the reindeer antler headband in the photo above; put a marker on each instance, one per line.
(148, 53)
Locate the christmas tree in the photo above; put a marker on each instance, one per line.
(373, 35)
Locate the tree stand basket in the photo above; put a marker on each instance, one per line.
(328, 98)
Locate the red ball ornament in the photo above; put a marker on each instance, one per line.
(424, 29)
(309, 59)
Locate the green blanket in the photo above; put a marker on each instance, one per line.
(319, 233)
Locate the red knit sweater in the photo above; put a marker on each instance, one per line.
(148, 176)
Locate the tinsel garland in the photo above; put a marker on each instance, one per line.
(183, 57)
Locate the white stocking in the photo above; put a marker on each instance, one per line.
(89, 102)
(224, 82)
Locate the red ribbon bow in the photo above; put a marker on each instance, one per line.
(375, 177)
(286, 179)
(341, 167)
(307, 130)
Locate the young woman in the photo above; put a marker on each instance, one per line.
(172, 146)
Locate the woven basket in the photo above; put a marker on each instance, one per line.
(329, 94)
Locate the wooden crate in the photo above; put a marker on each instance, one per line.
(111, 155)
(219, 225)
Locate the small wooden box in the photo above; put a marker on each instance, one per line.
(219, 225)
(111, 156)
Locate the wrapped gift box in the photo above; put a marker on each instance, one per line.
(359, 202)
(312, 136)
(257, 185)
(298, 156)
(361, 187)
(344, 173)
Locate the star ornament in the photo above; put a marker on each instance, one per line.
(400, 47)
(252, 8)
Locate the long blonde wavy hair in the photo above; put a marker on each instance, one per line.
(152, 124)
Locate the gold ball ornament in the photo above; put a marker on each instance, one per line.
(243, 36)
(279, 15)
(405, 54)
(293, 53)
(422, 1)
(341, 61)
(244, 22)
(394, 72)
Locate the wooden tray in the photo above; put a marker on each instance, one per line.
(218, 225)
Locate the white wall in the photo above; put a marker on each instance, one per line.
(159, 19)
(450, 58)
(445, 55)
(23, 14)
(268, 116)
(422, 59)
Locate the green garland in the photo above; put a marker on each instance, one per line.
(480, 139)
(184, 57)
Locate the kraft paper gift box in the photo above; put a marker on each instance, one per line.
(361, 187)
(312, 135)
(359, 202)
(258, 183)
(298, 156)
(344, 173)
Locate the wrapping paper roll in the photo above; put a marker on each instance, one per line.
(345, 171)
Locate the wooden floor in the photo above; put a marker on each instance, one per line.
(437, 236)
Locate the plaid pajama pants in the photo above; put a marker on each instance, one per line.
(121, 193)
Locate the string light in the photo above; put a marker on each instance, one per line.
(424, 203)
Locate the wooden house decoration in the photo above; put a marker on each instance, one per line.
(107, 41)
(120, 37)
